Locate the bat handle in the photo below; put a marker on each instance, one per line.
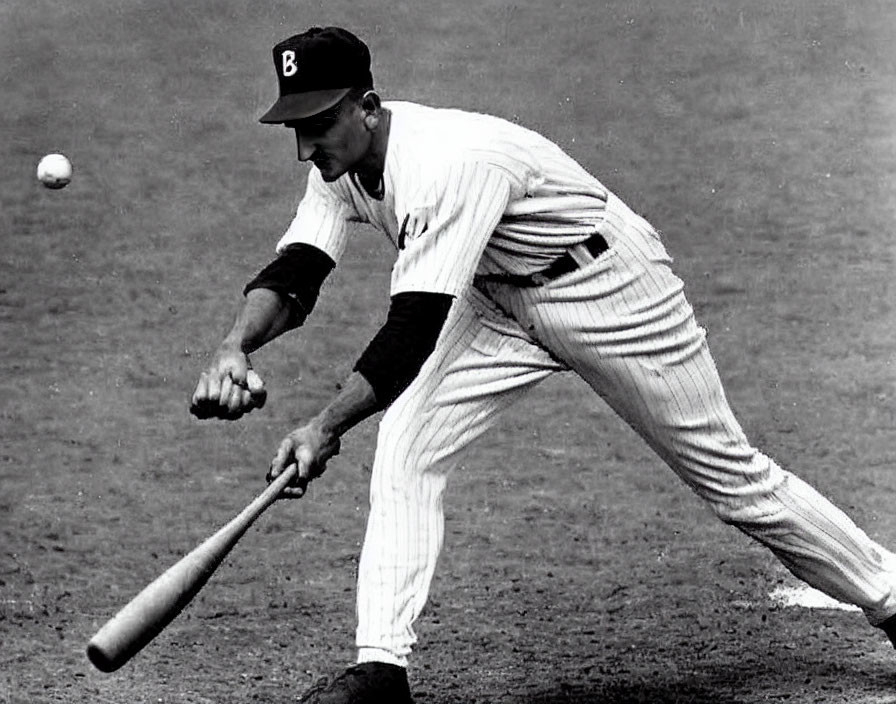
(271, 493)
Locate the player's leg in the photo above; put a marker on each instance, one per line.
(623, 323)
(481, 365)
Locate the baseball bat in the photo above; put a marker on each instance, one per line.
(147, 614)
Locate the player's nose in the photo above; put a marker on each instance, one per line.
(304, 147)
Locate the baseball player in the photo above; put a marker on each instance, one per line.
(512, 263)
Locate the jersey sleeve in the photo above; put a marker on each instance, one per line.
(446, 226)
(320, 221)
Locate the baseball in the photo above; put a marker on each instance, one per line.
(54, 171)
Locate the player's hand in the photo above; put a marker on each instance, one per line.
(310, 448)
(229, 388)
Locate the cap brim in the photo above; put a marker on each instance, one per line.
(297, 106)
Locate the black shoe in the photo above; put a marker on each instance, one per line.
(367, 683)
(889, 627)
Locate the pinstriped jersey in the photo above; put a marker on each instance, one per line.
(464, 194)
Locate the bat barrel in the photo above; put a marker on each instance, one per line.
(100, 659)
(147, 614)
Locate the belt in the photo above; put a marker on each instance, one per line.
(567, 263)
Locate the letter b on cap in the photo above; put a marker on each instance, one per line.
(289, 65)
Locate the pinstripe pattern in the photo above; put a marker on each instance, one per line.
(482, 364)
(444, 241)
(320, 219)
(480, 194)
(470, 194)
(623, 324)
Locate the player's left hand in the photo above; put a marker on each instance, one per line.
(229, 388)
(310, 447)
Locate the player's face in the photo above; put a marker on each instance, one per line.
(335, 140)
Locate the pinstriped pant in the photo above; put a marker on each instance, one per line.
(622, 323)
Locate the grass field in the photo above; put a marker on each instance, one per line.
(759, 136)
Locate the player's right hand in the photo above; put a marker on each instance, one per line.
(228, 389)
(309, 447)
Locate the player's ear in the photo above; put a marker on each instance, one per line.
(370, 104)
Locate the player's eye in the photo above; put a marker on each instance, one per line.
(320, 123)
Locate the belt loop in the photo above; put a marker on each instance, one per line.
(581, 255)
(577, 256)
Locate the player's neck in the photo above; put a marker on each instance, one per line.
(370, 170)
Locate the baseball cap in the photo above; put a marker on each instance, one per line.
(316, 69)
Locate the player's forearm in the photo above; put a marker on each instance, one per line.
(264, 316)
(355, 402)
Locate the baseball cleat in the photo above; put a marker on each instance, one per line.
(367, 683)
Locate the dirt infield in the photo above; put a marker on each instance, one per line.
(758, 136)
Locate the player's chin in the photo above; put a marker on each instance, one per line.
(330, 171)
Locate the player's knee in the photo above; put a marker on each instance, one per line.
(738, 485)
(738, 514)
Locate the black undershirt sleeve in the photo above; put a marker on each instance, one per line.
(296, 274)
(397, 352)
